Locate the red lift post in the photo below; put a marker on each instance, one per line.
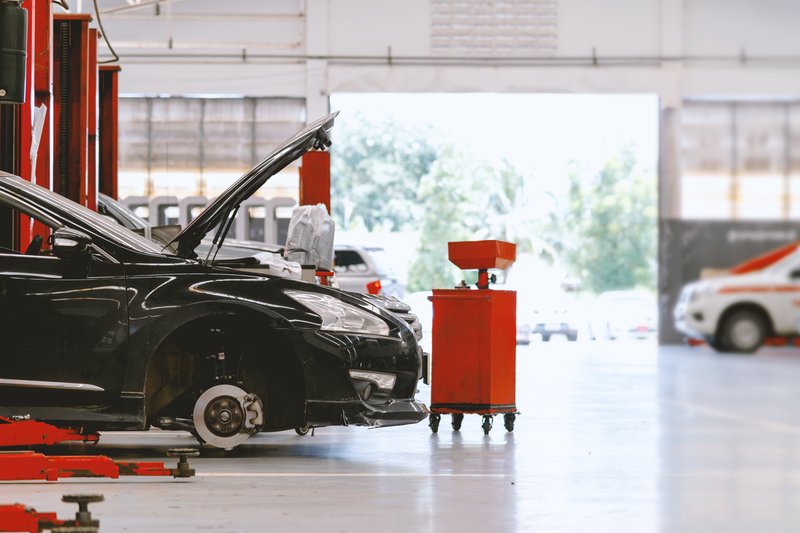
(71, 37)
(315, 188)
(39, 84)
(90, 199)
(474, 341)
(108, 129)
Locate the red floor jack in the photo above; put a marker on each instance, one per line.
(27, 465)
(17, 517)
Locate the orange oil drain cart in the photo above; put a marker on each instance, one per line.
(473, 360)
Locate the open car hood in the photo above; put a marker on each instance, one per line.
(222, 210)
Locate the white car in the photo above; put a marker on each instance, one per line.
(365, 269)
(624, 313)
(735, 313)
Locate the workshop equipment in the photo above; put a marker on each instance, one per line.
(26, 432)
(474, 341)
(13, 49)
(17, 517)
(27, 465)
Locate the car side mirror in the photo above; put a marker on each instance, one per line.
(795, 274)
(67, 242)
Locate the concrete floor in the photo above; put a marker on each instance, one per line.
(614, 436)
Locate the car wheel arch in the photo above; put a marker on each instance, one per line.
(746, 306)
(178, 364)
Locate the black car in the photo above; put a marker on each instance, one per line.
(105, 330)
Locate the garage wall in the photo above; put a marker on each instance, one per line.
(312, 48)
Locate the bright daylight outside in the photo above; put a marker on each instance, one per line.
(571, 179)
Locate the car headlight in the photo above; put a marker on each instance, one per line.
(339, 316)
(700, 293)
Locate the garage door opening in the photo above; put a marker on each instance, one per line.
(572, 179)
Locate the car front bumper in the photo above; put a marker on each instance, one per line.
(360, 413)
(333, 397)
(692, 321)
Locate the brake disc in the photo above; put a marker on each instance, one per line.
(225, 416)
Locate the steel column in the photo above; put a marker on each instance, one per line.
(108, 129)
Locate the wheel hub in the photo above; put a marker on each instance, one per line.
(224, 416)
(745, 333)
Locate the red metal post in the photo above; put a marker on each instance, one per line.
(108, 129)
(70, 113)
(43, 96)
(91, 161)
(39, 85)
(315, 179)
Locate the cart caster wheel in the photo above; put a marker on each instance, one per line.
(433, 422)
(302, 430)
(508, 421)
(487, 424)
(456, 422)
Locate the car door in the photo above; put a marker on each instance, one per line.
(63, 336)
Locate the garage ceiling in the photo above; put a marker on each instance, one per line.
(193, 27)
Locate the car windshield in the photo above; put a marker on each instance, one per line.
(110, 207)
(99, 223)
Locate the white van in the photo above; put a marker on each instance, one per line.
(735, 313)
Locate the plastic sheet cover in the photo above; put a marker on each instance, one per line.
(310, 237)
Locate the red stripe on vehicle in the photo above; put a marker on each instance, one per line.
(760, 288)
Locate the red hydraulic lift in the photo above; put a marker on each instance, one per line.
(27, 465)
(108, 129)
(18, 517)
(71, 66)
(315, 188)
(38, 92)
(91, 123)
(315, 179)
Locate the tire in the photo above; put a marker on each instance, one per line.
(715, 342)
(487, 424)
(433, 422)
(302, 430)
(743, 331)
(546, 338)
(508, 421)
(457, 419)
(572, 338)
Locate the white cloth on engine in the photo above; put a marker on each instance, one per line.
(310, 237)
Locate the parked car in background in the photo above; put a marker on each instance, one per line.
(555, 314)
(735, 313)
(105, 330)
(366, 269)
(624, 313)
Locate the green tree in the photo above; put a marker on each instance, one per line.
(447, 194)
(376, 170)
(609, 226)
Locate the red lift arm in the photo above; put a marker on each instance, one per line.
(17, 517)
(25, 465)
